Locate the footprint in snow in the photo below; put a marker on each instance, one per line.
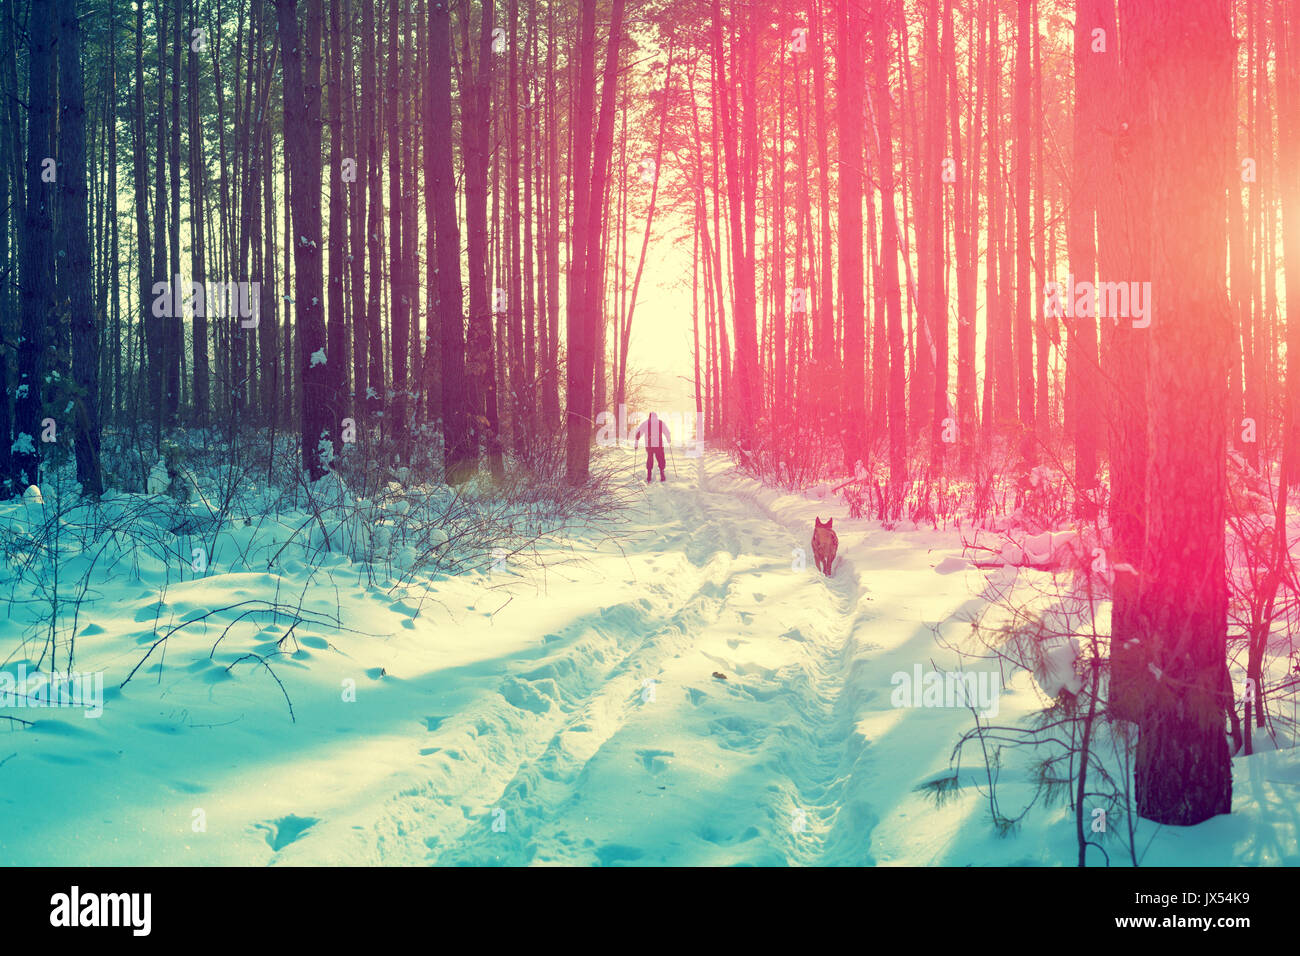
(653, 760)
(614, 853)
(280, 833)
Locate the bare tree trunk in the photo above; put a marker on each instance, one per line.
(1042, 398)
(459, 455)
(302, 119)
(37, 289)
(480, 365)
(849, 64)
(823, 312)
(779, 391)
(162, 381)
(174, 371)
(1024, 344)
(551, 388)
(889, 258)
(513, 257)
(528, 397)
(273, 365)
(115, 263)
(74, 247)
(1123, 224)
(1288, 103)
(1182, 58)
(336, 350)
(12, 197)
(992, 402)
(741, 191)
(373, 398)
(589, 157)
(411, 67)
(937, 298)
(198, 262)
(355, 146)
(398, 300)
(965, 223)
(1081, 326)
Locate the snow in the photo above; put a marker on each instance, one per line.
(159, 480)
(950, 564)
(1058, 670)
(561, 714)
(23, 444)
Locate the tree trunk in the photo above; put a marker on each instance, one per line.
(964, 228)
(373, 398)
(336, 350)
(398, 299)
(74, 248)
(198, 263)
(302, 123)
(938, 296)
(741, 186)
(1123, 251)
(889, 261)
(551, 370)
(1081, 326)
(355, 147)
(37, 288)
(590, 162)
(476, 126)
(849, 99)
(1288, 103)
(459, 457)
(1182, 58)
(1024, 345)
(175, 324)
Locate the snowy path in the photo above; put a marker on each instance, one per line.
(582, 761)
(565, 716)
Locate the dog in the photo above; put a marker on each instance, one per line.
(824, 545)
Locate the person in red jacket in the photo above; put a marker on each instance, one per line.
(657, 437)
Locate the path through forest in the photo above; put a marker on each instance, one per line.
(612, 741)
(564, 713)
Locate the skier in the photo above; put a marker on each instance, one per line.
(657, 437)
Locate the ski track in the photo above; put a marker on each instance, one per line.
(570, 716)
(539, 771)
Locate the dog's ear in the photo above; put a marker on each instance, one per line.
(829, 522)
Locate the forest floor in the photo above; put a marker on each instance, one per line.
(570, 714)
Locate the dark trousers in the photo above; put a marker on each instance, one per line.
(651, 454)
